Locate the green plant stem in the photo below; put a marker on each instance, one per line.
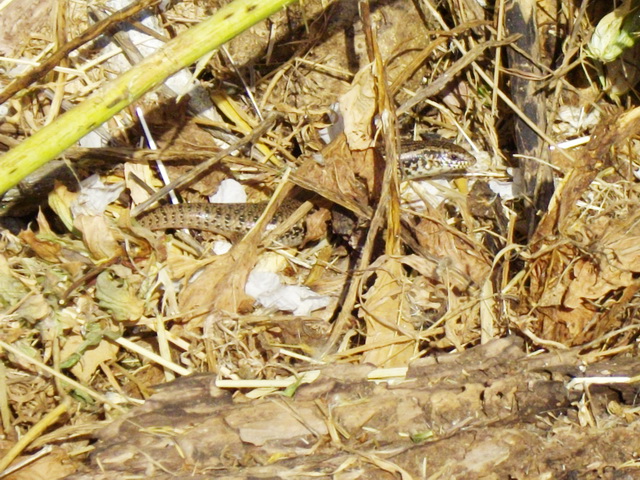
(182, 51)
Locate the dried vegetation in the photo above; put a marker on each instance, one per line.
(537, 242)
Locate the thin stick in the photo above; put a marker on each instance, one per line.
(468, 58)
(182, 51)
(204, 166)
(60, 376)
(94, 31)
(35, 431)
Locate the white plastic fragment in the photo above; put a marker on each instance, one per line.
(503, 189)
(229, 191)
(267, 289)
(94, 196)
(220, 247)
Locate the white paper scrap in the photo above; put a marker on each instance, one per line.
(229, 191)
(94, 196)
(267, 289)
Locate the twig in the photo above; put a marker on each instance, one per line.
(94, 31)
(468, 58)
(181, 51)
(204, 166)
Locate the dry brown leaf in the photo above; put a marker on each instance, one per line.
(624, 252)
(565, 325)
(592, 282)
(105, 351)
(443, 243)
(569, 294)
(46, 250)
(338, 173)
(385, 313)
(100, 239)
(144, 172)
(221, 284)
(184, 266)
(56, 465)
(316, 224)
(570, 287)
(460, 329)
(433, 271)
(358, 107)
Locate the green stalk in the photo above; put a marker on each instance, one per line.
(182, 51)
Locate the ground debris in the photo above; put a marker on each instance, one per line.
(472, 415)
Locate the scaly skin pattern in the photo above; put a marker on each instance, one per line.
(421, 159)
(430, 158)
(223, 218)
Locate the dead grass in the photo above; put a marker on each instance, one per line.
(97, 309)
